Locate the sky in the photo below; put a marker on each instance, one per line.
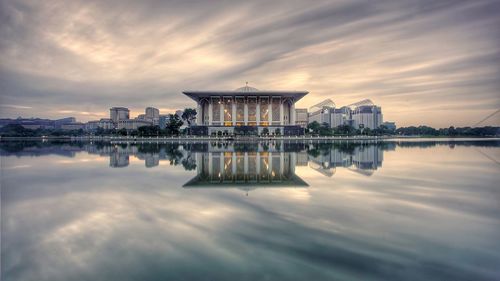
(424, 62)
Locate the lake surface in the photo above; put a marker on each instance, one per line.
(394, 210)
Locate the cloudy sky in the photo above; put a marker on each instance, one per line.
(425, 62)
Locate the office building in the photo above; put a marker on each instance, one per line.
(152, 113)
(321, 112)
(119, 113)
(359, 115)
(104, 123)
(133, 124)
(72, 126)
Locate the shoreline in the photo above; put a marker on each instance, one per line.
(245, 139)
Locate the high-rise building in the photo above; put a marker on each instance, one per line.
(366, 116)
(119, 113)
(152, 113)
(362, 114)
(321, 112)
(340, 116)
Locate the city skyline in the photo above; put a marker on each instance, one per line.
(425, 63)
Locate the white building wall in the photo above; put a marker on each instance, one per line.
(337, 119)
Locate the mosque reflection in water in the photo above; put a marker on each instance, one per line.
(227, 164)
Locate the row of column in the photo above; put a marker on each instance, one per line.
(268, 169)
(201, 114)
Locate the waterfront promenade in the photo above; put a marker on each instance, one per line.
(201, 138)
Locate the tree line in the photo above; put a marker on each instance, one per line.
(324, 129)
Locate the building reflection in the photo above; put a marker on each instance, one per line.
(245, 170)
(270, 163)
(363, 159)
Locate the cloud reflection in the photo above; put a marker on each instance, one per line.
(417, 218)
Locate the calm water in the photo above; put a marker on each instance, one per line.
(401, 210)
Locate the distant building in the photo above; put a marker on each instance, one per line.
(92, 125)
(133, 124)
(152, 113)
(36, 126)
(67, 120)
(366, 116)
(38, 123)
(163, 120)
(321, 112)
(104, 123)
(301, 118)
(339, 116)
(119, 113)
(72, 126)
(362, 114)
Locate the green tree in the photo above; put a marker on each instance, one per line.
(189, 115)
(324, 130)
(313, 127)
(122, 132)
(174, 124)
(452, 131)
(16, 130)
(343, 129)
(148, 131)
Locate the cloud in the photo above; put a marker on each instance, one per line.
(14, 106)
(407, 56)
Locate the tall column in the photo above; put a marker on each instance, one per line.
(282, 115)
(221, 108)
(233, 110)
(270, 112)
(245, 112)
(257, 113)
(292, 114)
(210, 112)
(199, 114)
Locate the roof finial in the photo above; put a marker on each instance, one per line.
(246, 83)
